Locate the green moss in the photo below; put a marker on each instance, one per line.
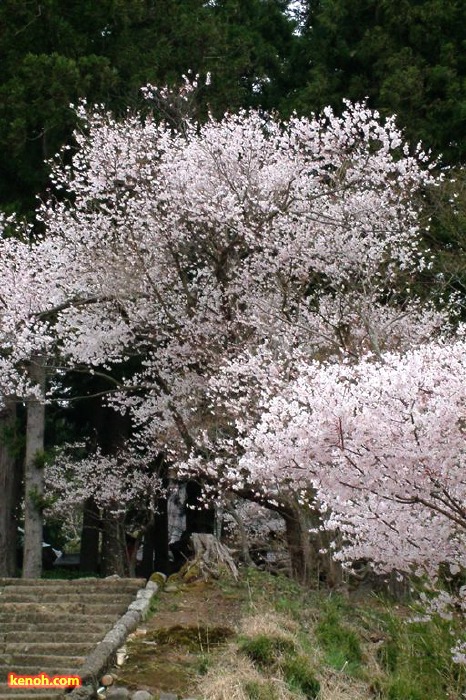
(192, 638)
(158, 578)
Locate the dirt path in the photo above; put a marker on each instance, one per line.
(190, 622)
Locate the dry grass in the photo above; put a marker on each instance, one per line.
(338, 686)
(293, 644)
(235, 677)
(271, 624)
(231, 680)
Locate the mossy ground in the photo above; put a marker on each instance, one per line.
(266, 637)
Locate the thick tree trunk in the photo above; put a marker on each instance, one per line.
(303, 564)
(90, 536)
(34, 475)
(113, 546)
(9, 486)
(305, 544)
(211, 558)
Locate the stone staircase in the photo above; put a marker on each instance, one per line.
(50, 626)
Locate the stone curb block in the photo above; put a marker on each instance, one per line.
(98, 660)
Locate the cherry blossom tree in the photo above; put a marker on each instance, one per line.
(125, 492)
(27, 296)
(37, 286)
(223, 258)
(382, 443)
(380, 446)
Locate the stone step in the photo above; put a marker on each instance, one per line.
(62, 609)
(51, 627)
(28, 592)
(70, 584)
(6, 691)
(18, 596)
(61, 583)
(13, 693)
(48, 621)
(41, 636)
(32, 694)
(32, 646)
(46, 662)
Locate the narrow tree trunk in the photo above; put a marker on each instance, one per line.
(330, 570)
(148, 550)
(90, 535)
(112, 431)
(34, 475)
(8, 491)
(161, 562)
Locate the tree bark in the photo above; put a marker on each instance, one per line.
(211, 557)
(161, 560)
(309, 564)
(243, 535)
(9, 487)
(148, 550)
(303, 564)
(34, 474)
(90, 536)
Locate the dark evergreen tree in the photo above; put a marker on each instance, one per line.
(407, 57)
(52, 53)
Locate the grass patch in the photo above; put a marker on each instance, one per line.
(260, 690)
(300, 676)
(265, 651)
(339, 641)
(320, 646)
(290, 643)
(417, 660)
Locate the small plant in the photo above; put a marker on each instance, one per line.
(153, 606)
(203, 664)
(265, 651)
(299, 676)
(257, 690)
